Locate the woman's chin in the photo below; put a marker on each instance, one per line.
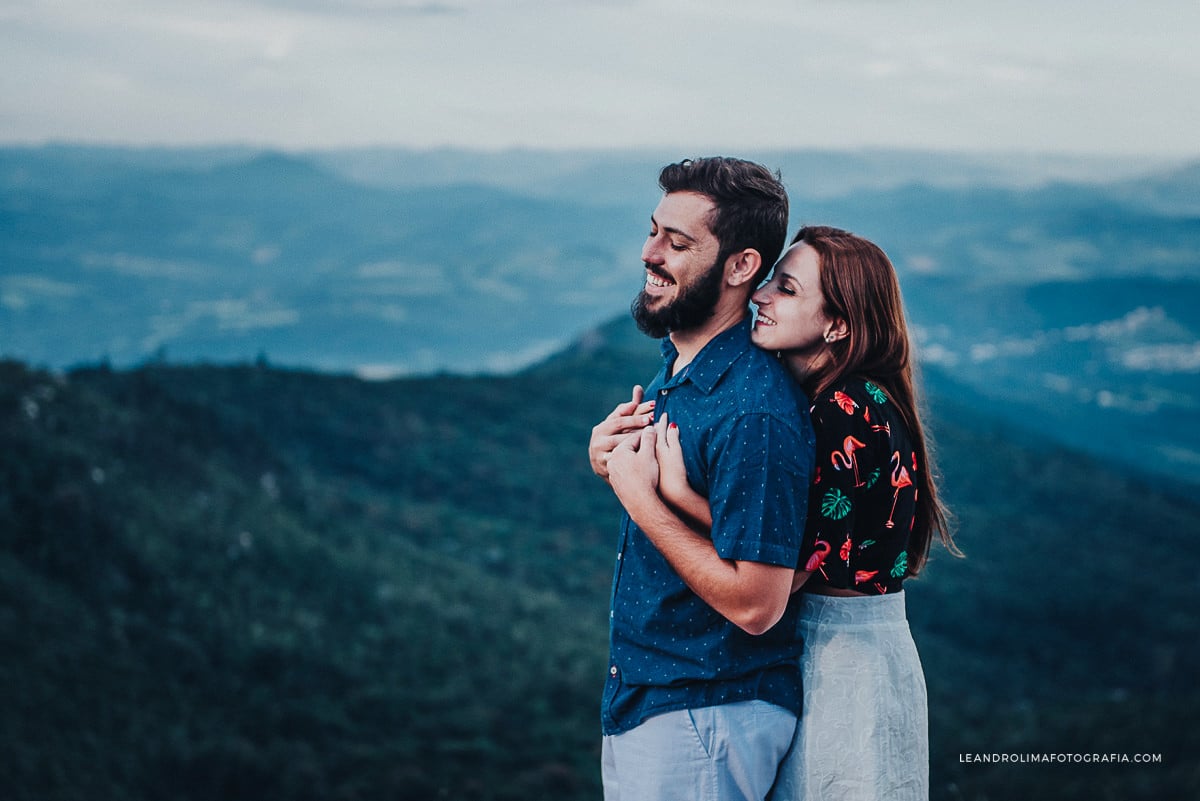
(764, 340)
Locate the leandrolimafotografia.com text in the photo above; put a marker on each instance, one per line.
(1059, 758)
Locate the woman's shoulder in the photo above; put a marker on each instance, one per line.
(860, 407)
(851, 394)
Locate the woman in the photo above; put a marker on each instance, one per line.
(832, 311)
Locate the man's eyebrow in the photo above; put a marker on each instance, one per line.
(671, 230)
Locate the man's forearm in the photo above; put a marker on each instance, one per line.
(752, 595)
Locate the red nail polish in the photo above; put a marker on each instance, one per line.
(672, 425)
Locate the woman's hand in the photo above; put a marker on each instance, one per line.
(631, 416)
(672, 475)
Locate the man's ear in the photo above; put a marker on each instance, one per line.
(742, 267)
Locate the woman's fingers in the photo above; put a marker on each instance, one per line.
(672, 436)
(637, 394)
(631, 414)
(626, 418)
(668, 435)
(630, 406)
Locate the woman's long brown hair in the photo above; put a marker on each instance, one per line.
(860, 286)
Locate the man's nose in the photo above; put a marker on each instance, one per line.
(652, 252)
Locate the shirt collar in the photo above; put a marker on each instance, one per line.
(714, 359)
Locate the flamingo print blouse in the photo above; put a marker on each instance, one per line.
(863, 495)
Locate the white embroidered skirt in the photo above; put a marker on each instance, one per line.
(864, 730)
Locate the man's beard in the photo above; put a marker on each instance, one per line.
(692, 308)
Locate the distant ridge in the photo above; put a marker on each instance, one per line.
(270, 167)
(1176, 190)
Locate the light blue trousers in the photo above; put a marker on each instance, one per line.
(729, 752)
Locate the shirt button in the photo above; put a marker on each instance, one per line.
(613, 670)
(663, 391)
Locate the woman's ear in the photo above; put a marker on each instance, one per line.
(838, 329)
(742, 267)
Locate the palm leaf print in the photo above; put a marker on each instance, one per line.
(872, 477)
(877, 394)
(835, 505)
(901, 566)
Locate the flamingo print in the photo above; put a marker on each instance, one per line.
(885, 428)
(817, 559)
(900, 480)
(845, 402)
(861, 576)
(845, 460)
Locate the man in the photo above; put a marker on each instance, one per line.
(703, 687)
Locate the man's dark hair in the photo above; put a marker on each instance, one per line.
(751, 204)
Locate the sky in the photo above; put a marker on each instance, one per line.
(1089, 77)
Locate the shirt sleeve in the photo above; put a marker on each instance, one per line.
(760, 468)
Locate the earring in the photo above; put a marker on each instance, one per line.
(831, 338)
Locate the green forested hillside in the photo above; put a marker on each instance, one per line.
(247, 582)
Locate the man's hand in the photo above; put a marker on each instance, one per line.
(633, 470)
(633, 415)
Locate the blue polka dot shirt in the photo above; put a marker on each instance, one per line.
(748, 447)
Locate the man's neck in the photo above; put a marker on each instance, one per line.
(689, 343)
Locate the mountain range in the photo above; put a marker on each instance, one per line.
(1058, 293)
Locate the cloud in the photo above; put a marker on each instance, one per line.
(1134, 323)
(1166, 358)
(1087, 77)
(19, 291)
